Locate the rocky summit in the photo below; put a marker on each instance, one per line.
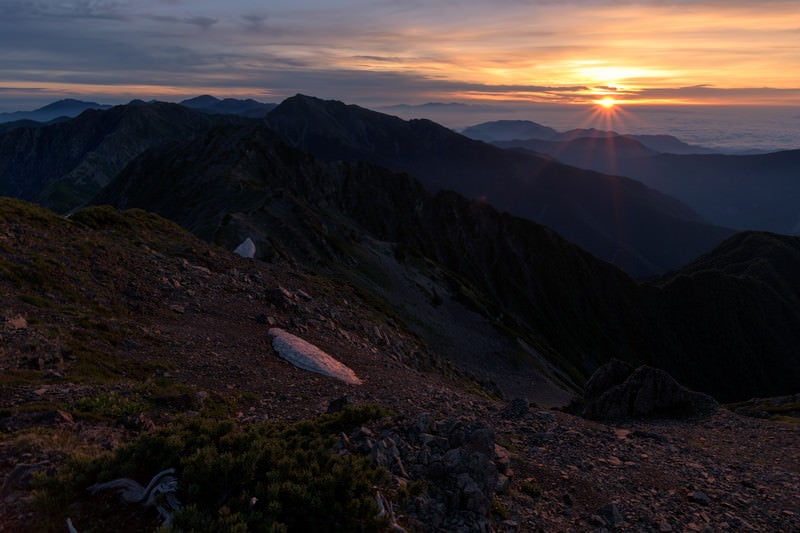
(131, 347)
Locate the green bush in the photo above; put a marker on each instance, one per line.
(265, 478)
(532, 490)
(108, 406)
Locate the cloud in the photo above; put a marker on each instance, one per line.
(76, 9)
(390, 51)
(254, 22)
(707, 93)
(203, 22)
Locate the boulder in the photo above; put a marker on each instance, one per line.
(645, 392)
(305, 355)
(246, 249)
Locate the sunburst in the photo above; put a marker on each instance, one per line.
(606, 103)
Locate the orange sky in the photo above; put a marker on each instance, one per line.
(396, 51)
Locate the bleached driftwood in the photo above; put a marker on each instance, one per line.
(305, 355)
(164, 483)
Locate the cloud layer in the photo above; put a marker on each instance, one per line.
(390, 51)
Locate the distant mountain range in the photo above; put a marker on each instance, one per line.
(70, 108)
(759, 191)
(229, 106)
(63, 108)
(517, 132)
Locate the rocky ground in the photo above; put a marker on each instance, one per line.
(165, 325)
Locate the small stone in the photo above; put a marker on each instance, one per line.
(246, 249)
(517, 408)
(65, 416)
(611, 515)
(18, 322)
(699, 497)
(175, 308)
(503, 483)
(337, 405)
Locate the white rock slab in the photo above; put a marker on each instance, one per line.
(246, 249)
(305, 355)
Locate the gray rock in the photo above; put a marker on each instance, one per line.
(607, 376)
(517, 408)
(699, 497)
(646, 392)
(337, 405)
(610, 513)
(246, 249)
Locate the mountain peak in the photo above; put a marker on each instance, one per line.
(69, 104)
(68, 107)
(508, 130)
(203, 100)
(228, 106)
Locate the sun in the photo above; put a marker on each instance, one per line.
(606, 103)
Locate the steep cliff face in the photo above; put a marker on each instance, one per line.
(526, 281)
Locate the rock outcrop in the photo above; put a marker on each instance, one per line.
(616, 390)
(456, 460)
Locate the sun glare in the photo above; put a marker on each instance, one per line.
(606, 103)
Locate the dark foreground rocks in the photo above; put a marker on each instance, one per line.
(617, 390)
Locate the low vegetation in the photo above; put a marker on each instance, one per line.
(265, 477)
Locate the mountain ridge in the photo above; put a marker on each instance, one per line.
(559, 299)
(68, 107)
(513, 132)
(63, 165)
(607, 215)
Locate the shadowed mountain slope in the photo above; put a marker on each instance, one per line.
(740, 306)
(585, 152)
(63, 165)
(746, 192)
(523, 131)
(524, 279)
(617, 219)
(756, 192)
(505, 130)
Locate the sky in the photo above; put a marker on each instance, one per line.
(385, 52)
